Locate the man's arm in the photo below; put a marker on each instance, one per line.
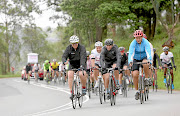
(65, 55)
(83, 56)
(102, 58)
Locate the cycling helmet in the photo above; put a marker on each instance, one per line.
(121, 49)
(144, 35)
(138, 33)
(108, 42)
(154, 49)
(166, 48)
(54, 60)
(74, 39)
(98, 43)
(46, 61)
(87, 53)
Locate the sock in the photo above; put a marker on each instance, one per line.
(83, 87)
(117, 82)
(164, 76)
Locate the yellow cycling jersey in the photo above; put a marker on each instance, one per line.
(54, 66)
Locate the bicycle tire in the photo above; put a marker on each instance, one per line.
(100, 91)
(156, 86)
(79, 93)
(114, 92)
(170, 81)
(89, 87)
(74, 92)
(111, 91)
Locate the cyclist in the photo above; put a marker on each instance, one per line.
(109, 58)
(36, 69)
(47, 68)
(166, 58)
(156, 57)
(55, 67)
(152, 55)
(28, 70)
(123, 65)
(77, 59)
(139, 51)
(95, 61)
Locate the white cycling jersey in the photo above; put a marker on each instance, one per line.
(166, 58)
(95, 55)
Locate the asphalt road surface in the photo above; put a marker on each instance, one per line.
(18, 98)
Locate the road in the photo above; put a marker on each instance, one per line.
(18, 98)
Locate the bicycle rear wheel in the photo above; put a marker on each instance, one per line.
(74, 94)
(170, 83)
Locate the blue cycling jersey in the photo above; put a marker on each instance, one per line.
(139, 51)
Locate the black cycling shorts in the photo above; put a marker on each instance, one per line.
(169, 65)
(136, 66)
(104, 71)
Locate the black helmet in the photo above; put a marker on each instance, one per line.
(154, 49)
(108, 42)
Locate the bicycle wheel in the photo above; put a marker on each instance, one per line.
(79, 93)
(100, 91)
(111, 91)
(28, 79)
(114, 92)
(89, 87)
(156, 86)
(170, 83)
(74, 94)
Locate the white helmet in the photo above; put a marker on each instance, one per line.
(98, 43)
(74, 39)
(54, 60)
(166, 48)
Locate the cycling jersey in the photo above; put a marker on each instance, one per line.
(154, 60)
(111, 57)
(28, 68)
(47, 67)
(76, 57)
(123, 60)
(36, 67)
(166, 58)
(55, 66)
(139, 51)
(95, 55)
(89, 63)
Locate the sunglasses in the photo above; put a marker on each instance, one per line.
(75, 43)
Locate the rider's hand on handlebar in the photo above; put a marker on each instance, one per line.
(174, 66)
(130, 64)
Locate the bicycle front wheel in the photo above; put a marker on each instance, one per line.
(111, 91)
(74, 94)
(100, 91)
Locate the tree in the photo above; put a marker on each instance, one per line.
(14, 13)
(174, 20)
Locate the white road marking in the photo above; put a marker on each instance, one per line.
(56, 109)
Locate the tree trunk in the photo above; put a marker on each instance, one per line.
(169, 42)
(153, 25)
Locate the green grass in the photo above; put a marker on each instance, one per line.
(10, 75)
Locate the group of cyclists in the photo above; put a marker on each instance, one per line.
(110, 56)
(97, 62)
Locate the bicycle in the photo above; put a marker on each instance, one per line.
(47, 78)
(88, 84)
(63, 77)
(55, 77)
(77, 89)
(141, 83)
(112, 86)
(155, 86)
(131, 84)
(124, 83)
(169, 78)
